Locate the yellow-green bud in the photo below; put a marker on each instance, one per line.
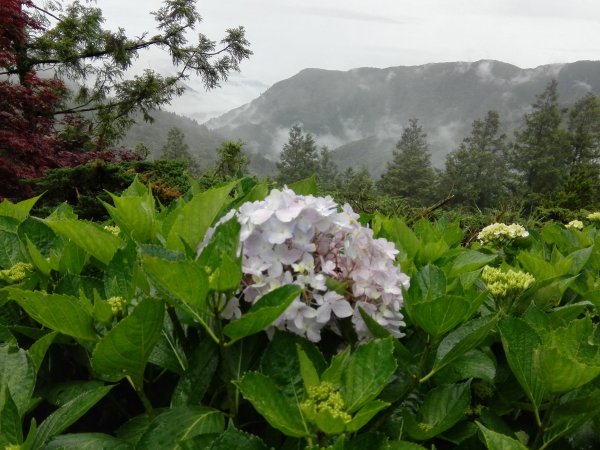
(115, 230)
(594, 217)
(504, 284)
(117, 304)
(16, 273)
(325, 397)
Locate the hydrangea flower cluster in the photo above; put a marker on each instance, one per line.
(306, 240)
(113, 229)
(504, 284)
(16, 273)
(500, 233)
(594, 217)
(575, 224)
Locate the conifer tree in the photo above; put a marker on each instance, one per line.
(540, 153)
(410, 174)
(176, 149)
(299, 158)
(476, 173)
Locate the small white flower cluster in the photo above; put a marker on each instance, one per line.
(498, 233)
(575, 224)
(594, 217)
(306, 240)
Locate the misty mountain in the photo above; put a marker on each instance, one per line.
(361, 112)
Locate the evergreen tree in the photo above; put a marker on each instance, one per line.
(582, 188)
(176, 149)
(477, 173)
(328, 173)
(299, 158)
(540, 151)
(232, 162)
(410, 174)
(357, 189)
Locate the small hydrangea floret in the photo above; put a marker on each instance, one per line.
(306, 240)
(500, 233)
(325, 397)
(117, 305)
(503, 284)
(575, 224)
(113, 229)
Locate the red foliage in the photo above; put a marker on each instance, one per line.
(29, 141)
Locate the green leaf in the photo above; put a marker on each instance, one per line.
(11, 251)
(86, 441)
(263, 313)
(468, 261)
(365, 414)
(62, 313)
(37, 258)
(270, 402)
(472, 364)
(10, 420)
(442, 408)
(309, 373)
(38, 349)
(124, 350)
(461, 340)
(308, 186)
(497, 441)
(68, 414)
(519, 340)
(60, 394)
(119, 275)
(235, 439)
(18, 211)
(367, 372)
(283, 370)
(175, 425)
(97, 242)
(403, 445)
(134, 215)
(442, 314)
(192, 219)
(194, 382)
(328, 423)
(183, 281)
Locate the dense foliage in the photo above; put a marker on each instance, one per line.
(125, 333)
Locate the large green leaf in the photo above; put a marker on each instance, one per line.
(367, 372)
(124, 350)
(86, 441)
(282, 369)
(307, 186)
(99, 243)
(63, 313)
(519, 341)
(192, 219)
(18, 211)
(10, 420)
(365, 414)
(263, 313)
(269, 401)
(38, 349)
(182, 281)
(461, 340)
(194, 382)
(442, 314)
(11, 250)
(498, 441)
(169, 429)
(68, 414)
(468, 261)
(442, 408)
(134, 215)
(472, 364)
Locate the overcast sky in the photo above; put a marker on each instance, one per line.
(287, 36)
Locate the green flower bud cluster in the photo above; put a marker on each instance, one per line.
(594, 217)
(325, 397)
(504, 284)
(117, 304)
(575, 224)
(13, 447)
(16, 273)
(112, 229)
(498, 233)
